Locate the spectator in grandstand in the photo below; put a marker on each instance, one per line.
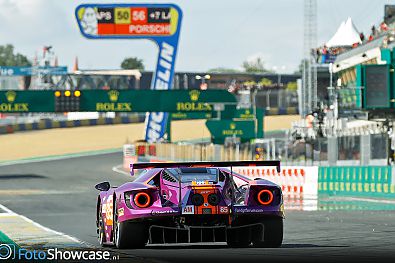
(325, 54)
(385, 42)
(317, 55)
(383, 27)
(374, 31)
(362, 37)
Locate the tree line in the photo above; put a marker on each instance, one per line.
(8, 57)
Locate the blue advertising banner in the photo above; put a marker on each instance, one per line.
(28, 71)
(160, 23)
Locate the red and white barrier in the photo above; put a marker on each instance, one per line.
(299, 183)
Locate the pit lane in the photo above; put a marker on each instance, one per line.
(60, 195)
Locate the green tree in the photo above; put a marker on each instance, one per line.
(9, 59)
(132, 63)
(255, 66)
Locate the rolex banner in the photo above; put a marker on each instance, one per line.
(187, 101)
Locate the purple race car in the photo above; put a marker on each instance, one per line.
(191, 202)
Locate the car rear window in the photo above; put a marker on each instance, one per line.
(195, 174)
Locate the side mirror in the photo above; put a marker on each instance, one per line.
(104, 186)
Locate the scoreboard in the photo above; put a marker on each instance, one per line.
(377, 91)
(160, 23)
(128, 21)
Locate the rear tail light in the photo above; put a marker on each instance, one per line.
(264, 197)
(142, 200)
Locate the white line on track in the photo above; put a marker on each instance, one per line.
(46, 229)
(8, 211)
(119, 169)
(51, 230)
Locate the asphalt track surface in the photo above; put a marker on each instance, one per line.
(64, 199)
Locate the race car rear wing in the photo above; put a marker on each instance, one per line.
(231, 164)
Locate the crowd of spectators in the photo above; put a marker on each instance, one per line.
(375, 32)
(326, 54)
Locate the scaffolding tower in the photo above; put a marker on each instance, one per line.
(309, 74)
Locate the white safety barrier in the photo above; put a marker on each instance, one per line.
(299, 184)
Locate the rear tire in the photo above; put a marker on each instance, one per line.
(272, 233)
(100, 227)
(128, 234)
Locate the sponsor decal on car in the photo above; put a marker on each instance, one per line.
(109, 211)
(249, 210)
(200, 183)
(205, 192)
(162, 212)
(188, 210)
(224, 210)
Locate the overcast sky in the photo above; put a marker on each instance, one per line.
(215, 33)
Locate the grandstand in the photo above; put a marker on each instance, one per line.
(348, 129)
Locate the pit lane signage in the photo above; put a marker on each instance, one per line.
(247, 114)
(160, 23)
(221, 129)
(26, 101)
